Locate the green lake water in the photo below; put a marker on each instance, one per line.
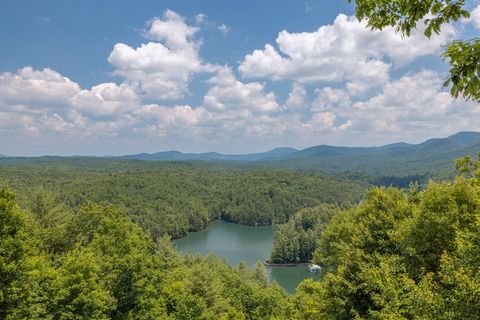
(235, 243)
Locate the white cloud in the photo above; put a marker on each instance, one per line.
(39, 102)
(55, 122)
(475, 17)
(322, 120)
(413, 107)
(161, 70)
(46, 89)
(45, 106)
(231, 94)
(231, 110)
(223, 28)
(173, 31)
(296, 98)
(15, 124)
(329, 98)
(343, 51)
(171, 117)
(200, 18)
(106, 99)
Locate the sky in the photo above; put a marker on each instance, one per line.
(118, 77)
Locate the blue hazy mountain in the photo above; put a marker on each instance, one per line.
(432, 158)
(428, 158)
(277, 153)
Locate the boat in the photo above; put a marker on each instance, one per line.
(314, 268)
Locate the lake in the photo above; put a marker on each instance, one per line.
(235, 243)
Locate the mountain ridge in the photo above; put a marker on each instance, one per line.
(431, 158)
(460, 139)
(206, 156)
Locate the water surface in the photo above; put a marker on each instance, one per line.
(235, 243)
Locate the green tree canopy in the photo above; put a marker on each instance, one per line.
(402, 255)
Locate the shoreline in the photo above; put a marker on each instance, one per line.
(227, 221)
(268, 263)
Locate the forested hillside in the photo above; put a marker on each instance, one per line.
(96, 264)
(173, 198)
(397, 255)
(402, 255)
(296, 240)
(396, 164)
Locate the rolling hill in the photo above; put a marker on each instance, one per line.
(433, 157)
(397, 163)
(277, 153)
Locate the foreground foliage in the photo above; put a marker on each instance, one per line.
(105, 267)
(398, 255)
(402, 255)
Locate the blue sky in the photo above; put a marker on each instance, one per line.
(119, 77)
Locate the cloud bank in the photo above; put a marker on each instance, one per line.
(341, 92)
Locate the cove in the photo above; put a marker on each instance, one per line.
(235, 243)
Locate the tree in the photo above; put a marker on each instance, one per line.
(13, 246)
(404, 15)
(401, 255)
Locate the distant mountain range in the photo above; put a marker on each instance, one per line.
(395, 163)
(274, 154)
(397, 159)
(432, 157)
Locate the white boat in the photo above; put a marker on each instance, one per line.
(314, 268)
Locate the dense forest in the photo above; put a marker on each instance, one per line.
(96, 264)
(175, 197)
(393, 164)
(399, 254)
(296, 240)
(402, 255)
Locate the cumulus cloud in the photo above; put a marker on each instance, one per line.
(173, 31)
(44, 88)
(414, 107)
(182, 115)
(42, 101)
(475, 17)
(200, 18)
(223, 28)
(296, 97)
(106, 99)
(162, 69)
(329, 98)
(230, 94)
(343, 51)
(14, 124)
(230, 110)
(331, 71)
(322, 120)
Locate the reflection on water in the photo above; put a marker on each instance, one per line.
(235, 243)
